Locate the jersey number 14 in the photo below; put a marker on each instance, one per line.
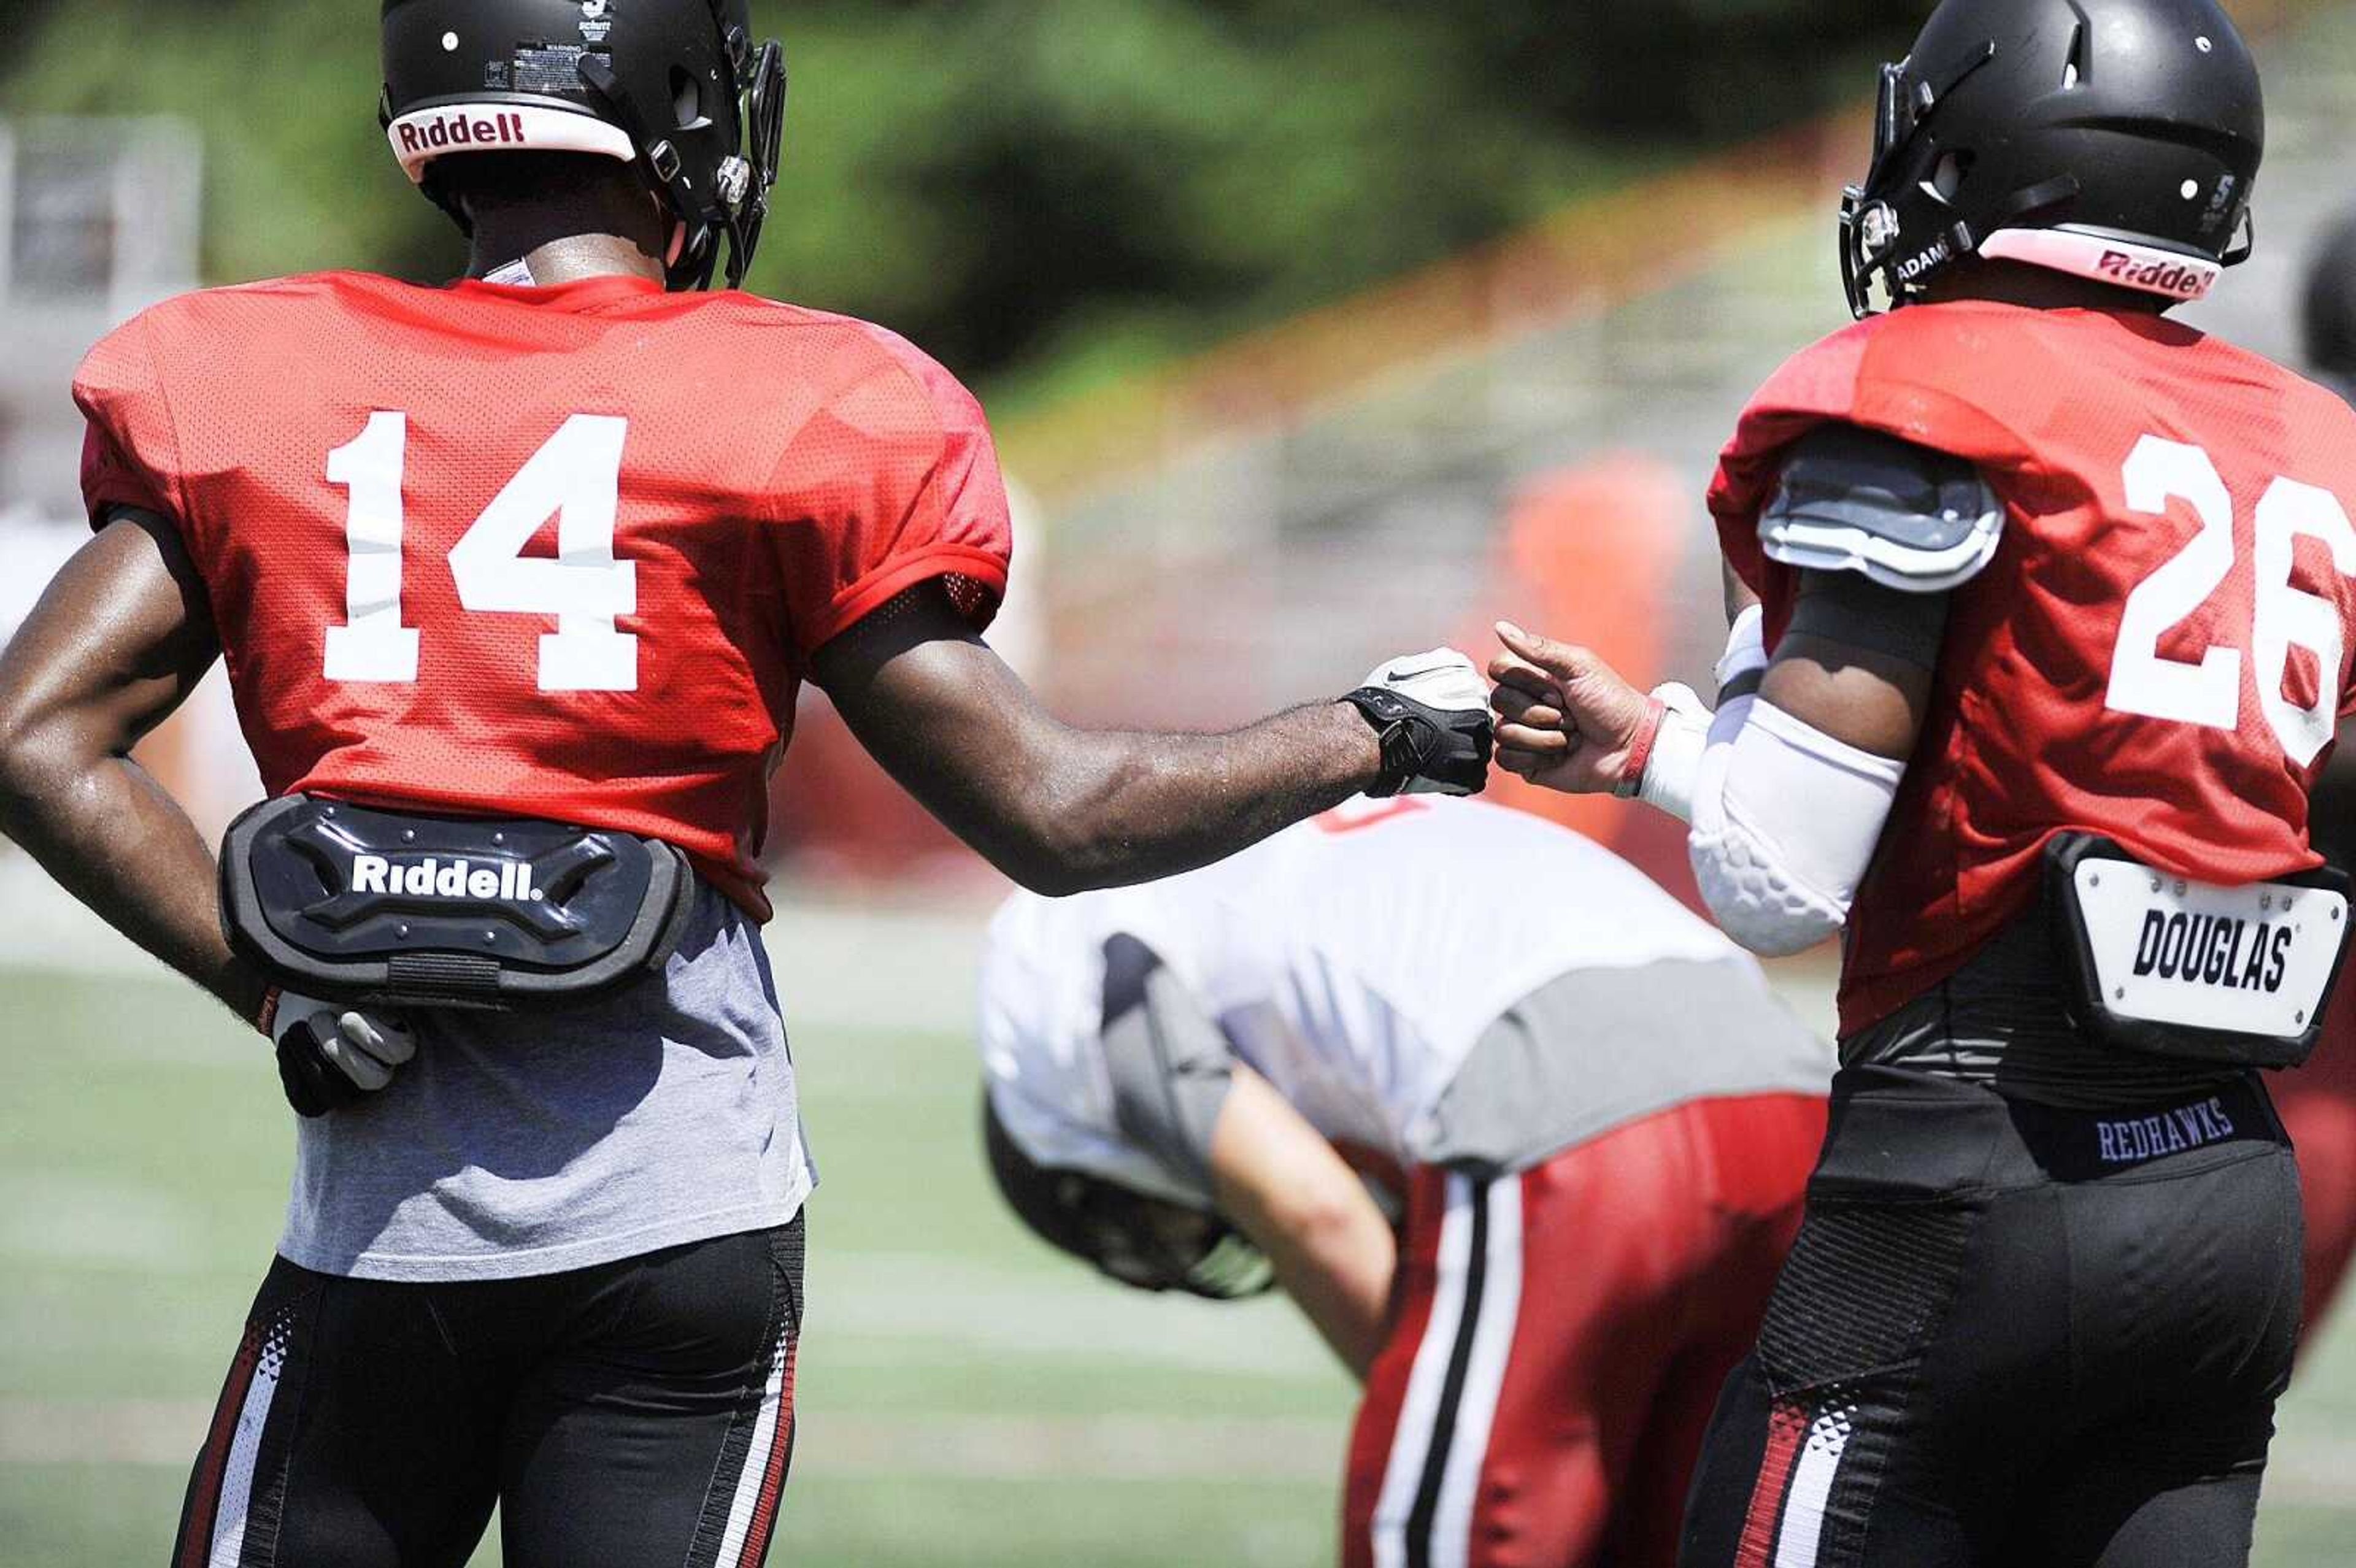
(577, 475)
(2283, 616)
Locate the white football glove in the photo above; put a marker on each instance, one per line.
(329, 1056)
(1432, 713)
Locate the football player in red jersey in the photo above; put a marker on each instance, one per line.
(502, 912)
(2051, 634)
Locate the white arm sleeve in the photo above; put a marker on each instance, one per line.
(1677, 746)
(1785, 819)
(1675, 766)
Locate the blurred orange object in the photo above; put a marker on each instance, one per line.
(1592, 555)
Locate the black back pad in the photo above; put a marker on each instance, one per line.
(397, 908)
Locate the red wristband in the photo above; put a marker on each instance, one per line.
(1640, 748)
(268, 1022)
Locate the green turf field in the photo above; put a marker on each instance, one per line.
(965, 1399)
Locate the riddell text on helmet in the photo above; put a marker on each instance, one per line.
(2185, 279)
(460, 129)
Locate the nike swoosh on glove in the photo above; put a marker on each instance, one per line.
(1432, 713)
(331, 1056)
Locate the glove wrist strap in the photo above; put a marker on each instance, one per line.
(1393, 722)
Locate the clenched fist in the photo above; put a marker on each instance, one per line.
(1565, 718)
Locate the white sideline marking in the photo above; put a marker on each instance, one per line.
(908, 1305)
(881, 1310)
(838, 965)
(1288, 1450)
(55, 1217)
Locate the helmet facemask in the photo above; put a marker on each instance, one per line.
(1150, 1243)
(1145, 1241)
(1895, 231)
(736, 205)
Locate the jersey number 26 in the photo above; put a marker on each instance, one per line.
(2283, 616)
(577, 475)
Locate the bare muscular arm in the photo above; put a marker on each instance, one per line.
(1864, 698)
(118, 641)
(1060, 809)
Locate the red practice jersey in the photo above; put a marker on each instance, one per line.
(2159, 650)
(560, 552)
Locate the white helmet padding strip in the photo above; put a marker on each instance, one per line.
(2120, 263)
(424, 135)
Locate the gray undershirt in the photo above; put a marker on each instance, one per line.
(1590, 1051)
(1595, 1050)
(523, 1144)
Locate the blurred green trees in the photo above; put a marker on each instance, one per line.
(1039, 191)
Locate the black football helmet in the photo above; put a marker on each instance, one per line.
(2116, 140)
(676, 87)
(1147, 1242)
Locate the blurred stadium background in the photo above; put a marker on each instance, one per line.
(1309, 328)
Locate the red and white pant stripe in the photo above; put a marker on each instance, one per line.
(1805, 1442)
(753, 1506)
(226, 1493)
(1424, 1515)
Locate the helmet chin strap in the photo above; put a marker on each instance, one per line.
(690, 265)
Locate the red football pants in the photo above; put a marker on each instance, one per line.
(1559, 1340)
(2318, 1105)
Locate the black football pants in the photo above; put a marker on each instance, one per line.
(2014, 1337)
(636, 1413)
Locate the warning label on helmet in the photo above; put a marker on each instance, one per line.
(551, 68)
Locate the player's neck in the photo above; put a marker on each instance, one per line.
(2038, 288)
(613, 231)
(565, 260)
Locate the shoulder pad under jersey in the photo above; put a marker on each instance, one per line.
(1852, 500)
(1170, 1064)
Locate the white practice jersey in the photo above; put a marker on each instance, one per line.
(1358, 960)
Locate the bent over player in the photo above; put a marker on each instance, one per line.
(1593, 1117)
(517, 581)
(2052, 635)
